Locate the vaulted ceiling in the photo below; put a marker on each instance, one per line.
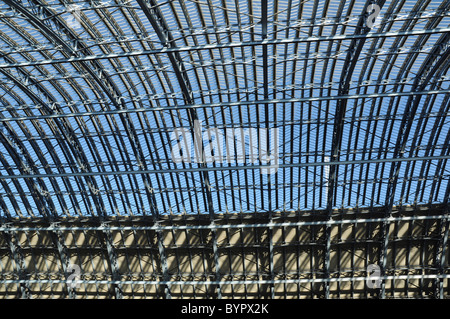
(93, 93)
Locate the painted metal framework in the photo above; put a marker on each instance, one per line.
(92, 93)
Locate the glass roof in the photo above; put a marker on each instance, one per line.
(93, 95)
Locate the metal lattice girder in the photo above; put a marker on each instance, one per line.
(229, 45)
(58, 240)
(112, 258)
(227, 168)
(247, 226)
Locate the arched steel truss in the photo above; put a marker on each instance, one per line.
(91, 93)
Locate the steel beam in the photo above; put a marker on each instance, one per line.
(264, 31)
(229, 282)
(21, 158)
(218, 276)
(227, 45)
(19, 260)
(225, 168)
(58, 241)
(163, 259)
(430, 68)
(383, 253)
(233, 226)
(441, 255)
(271, 263)
(224, 104)
(441, 251)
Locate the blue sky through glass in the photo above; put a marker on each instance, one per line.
(305, 74)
